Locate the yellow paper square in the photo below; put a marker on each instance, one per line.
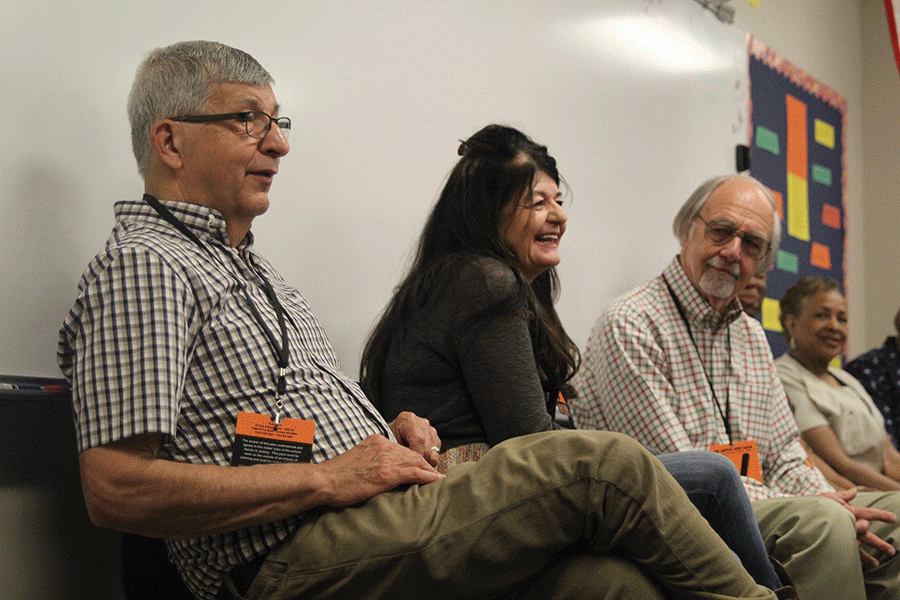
(798, 207)
(770, 313)
(824, 133)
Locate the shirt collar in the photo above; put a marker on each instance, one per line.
(206, 223)
(697, 309)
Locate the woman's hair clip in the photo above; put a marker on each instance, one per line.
(463, 148)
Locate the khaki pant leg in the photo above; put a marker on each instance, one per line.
(883, 582)
(815, 540)
(492, 526)
(582, 576)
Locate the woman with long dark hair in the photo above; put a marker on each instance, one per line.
(471, 339)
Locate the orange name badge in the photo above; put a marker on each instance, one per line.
(257, 441)
(744, 455)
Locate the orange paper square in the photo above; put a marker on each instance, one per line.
(831, 216)
(820, 256)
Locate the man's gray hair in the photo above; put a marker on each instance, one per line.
(687, 215)
(177, 80)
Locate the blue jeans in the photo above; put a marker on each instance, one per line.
(714, 486)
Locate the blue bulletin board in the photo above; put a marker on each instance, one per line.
(798, 129)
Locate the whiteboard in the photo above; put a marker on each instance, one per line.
(638, 100)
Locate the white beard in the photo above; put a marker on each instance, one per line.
(716, 284)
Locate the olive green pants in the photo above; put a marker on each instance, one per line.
(564, 514)
(815, 540)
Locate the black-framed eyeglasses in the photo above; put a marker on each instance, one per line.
(256, 122)
(720, 232)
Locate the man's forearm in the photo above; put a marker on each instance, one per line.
(132, 491)
(127, 488)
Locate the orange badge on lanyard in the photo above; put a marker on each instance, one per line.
(744, 455)
(258, 441)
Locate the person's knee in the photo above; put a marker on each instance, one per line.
(703, 472)
(832, 514)
(825, 521)
(574, 453)
(812, 536)
(716, 464)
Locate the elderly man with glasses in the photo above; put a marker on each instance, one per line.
(677, 365)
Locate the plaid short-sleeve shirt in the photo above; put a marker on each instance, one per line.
(644, 375)
(162, 339)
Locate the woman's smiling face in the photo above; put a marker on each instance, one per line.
(533, 226)
(819, 332)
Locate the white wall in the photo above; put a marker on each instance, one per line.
(379, 92)
(881, 177)
(345, 72)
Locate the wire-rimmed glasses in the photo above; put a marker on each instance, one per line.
(256, 122)
(720, 232)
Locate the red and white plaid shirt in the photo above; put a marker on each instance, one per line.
(643, 375)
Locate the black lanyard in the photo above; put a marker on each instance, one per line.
(723, 414)
(282, 350)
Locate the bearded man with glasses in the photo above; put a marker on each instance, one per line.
(677, 365)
